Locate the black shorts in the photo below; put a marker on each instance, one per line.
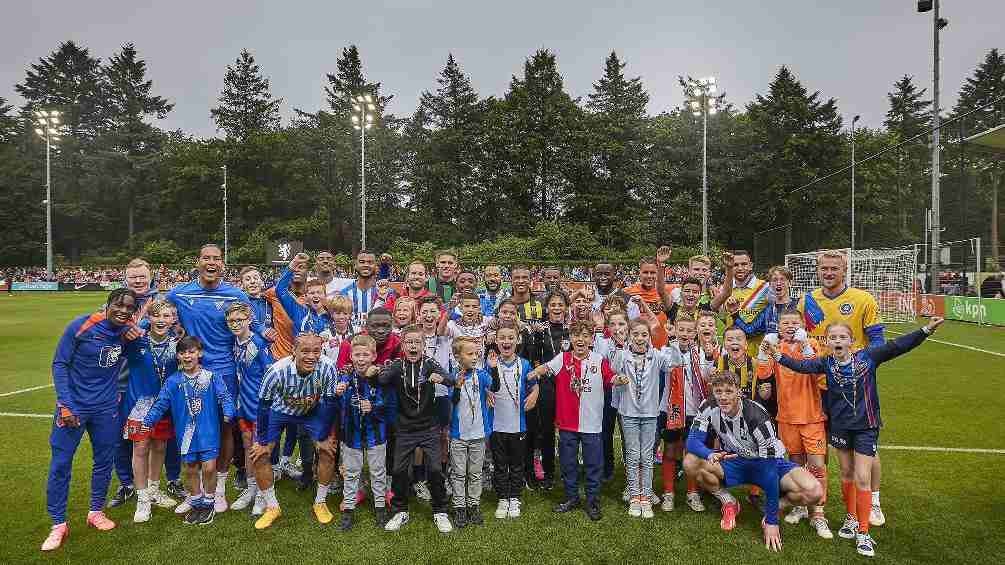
(865, 442)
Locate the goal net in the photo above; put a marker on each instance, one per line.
(889, 275)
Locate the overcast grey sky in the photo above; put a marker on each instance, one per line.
(852, 50)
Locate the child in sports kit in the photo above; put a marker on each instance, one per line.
(403, 314)
(412, 379)
(801, 420)
(253, 359)
(198, 401)
(509, 423)
(753, 385)
(339, 310)
(363, 425)
(150, 359)
(312, 316)
(470, 425)
(686, 389)
(638, 406)
(437, 348)
(251, 284)
(580, 379)
(852, 405)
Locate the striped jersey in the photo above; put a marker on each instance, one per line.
(360, 430)
(363, 300)
(579, 391)
(749, 434)
(286, 391)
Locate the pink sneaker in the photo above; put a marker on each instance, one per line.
(360, 497)
(56, 537)
(538, 469)
(99, 521)
(388, 496)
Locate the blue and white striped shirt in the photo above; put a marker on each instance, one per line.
(286, 391)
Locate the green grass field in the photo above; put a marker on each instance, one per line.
(941, 507)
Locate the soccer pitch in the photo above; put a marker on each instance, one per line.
(941, 506)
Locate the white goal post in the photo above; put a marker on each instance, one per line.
(889, 275)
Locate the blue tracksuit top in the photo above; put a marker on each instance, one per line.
(253, 360)
(358, 430)
(86, 365)
(304, 318)
(150, 364)
(202, 314)
(196, 403)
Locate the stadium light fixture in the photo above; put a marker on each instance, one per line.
(48, 128)
(703, 105)
(363, 112)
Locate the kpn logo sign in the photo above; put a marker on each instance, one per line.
(967, 309)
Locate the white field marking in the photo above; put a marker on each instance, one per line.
(942, 449)
(20, 415)
(24, 390)
(977, 349)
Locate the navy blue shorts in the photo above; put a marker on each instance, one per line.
(865, 442)
(743, 471)
(318, 424)
(200, 456)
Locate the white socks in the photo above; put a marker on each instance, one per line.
(221, 484)
(724, 496)
(270, 497)
(322, 494)
(875, 498)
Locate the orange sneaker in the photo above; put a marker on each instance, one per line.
(99, 521)
(56, 537)
(730, 511)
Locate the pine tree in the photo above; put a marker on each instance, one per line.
(132, 142)
(909, 115)
(246, 103)
(71, 81)
(606, 199)
(798, 139)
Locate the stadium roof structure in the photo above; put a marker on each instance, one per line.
(993, 138)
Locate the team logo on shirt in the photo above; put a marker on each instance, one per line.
(109, 355)
(845, 308)
(220, 304)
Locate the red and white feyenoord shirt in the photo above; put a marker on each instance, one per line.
(579, 391)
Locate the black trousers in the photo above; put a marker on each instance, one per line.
(405, 444)
(541, 430)
(508, 453)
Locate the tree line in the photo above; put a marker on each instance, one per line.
(482, 171)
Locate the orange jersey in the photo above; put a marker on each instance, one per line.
(652, 300)
(798, 394)
(281, 322)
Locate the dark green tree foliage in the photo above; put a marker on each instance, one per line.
(246, 103)
(132, 145)
(909, 115)
(797, 139)
(444, 183)
(612, 197)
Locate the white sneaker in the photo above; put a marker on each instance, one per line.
(694, 502)
(514, 508)
(865, 545)
(184, 506)
(292, 471)
(422, 491)
(849, 529)
(647, 509)
(245, 499)
(399, 520)
(634, 508)
(667, 505)
(259, 508)
(820, 525)
(442, 522)
(142, 511)
(654, 499)
(162, 500)
(220, 503)
(798, 513)
(502, 510)
(625, 495)
(876, 517)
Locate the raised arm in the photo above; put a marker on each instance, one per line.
(727, 284)
(903, 344)
(662, 256)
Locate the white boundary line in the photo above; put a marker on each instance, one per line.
(24, 390)
(977, 349)
(883, 447)
(20, 415)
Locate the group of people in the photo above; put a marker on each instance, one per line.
(455, 382)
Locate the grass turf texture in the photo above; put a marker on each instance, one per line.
(941, 507)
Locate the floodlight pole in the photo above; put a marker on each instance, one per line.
(936, 210)
(853, 122)
(362, 188)
(226, 239)
(704, 176)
